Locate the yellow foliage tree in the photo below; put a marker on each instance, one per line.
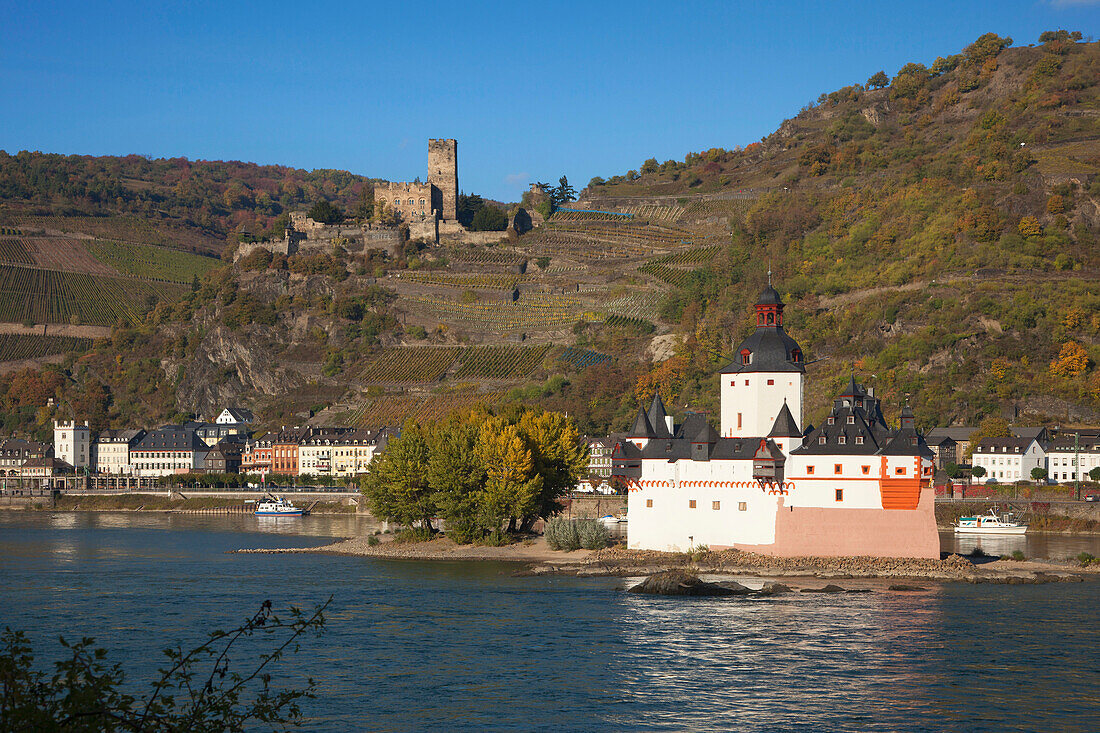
(510, 491)
(1029, 227)
(1072, 361)
(1056, 204)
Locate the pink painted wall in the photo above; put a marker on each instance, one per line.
(806, 531)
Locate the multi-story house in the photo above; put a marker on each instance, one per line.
(1008, 459)
(285, 451)
(111, 451)
(317, 450)
(14, 452)
(353, 452)
(167, 450)
(257, 454)
(1073, 454)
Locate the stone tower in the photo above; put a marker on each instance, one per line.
(443, 174)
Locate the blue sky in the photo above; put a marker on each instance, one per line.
(530, 91)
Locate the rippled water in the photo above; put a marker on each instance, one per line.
(464, 646)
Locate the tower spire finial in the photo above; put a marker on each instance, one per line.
(769, 273)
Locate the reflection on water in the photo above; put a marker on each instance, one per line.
(1032, 544)
(465, 646)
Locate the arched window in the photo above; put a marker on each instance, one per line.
(410, 202)
(771, 319)
(746, 356)
(422, 204)
(796, 356)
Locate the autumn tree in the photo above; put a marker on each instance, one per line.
(1029, 227)
(511, 487)
(1072, 361)
(991, 427)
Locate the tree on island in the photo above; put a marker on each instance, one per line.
(325, 212)
(486, 475)
(86, 692)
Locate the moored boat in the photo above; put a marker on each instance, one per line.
(991, 523)
(277, 506)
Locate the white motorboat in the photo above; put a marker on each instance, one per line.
(277, 506)
(609, 520)
(991, 523)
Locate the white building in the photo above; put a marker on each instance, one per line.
(1008, 459)
(72, 443)
(234, 416)
(318, 450)
(853, 486)
(1073, 455)
(167, 450)
(111, 451)
(353, 452)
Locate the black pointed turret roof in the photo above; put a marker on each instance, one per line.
(769, 296)
(642, 427)
(656, 417)
(768, 348)
(785, 426)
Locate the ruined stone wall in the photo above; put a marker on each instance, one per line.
(443, 175)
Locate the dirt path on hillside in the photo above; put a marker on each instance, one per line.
(57, 329)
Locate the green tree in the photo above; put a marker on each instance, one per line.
(489, 219)
(1094, 474)
(467, 207)
(977, 472)
(952, 470)
(1038, 474)
(325, 212)
(878, 80)
(195, 690)
(456, 475)
(397, 487)
(563, 192)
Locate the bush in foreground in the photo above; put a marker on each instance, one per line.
(567, 535)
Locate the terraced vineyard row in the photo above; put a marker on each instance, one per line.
(639, 232)
(486, 256)
(48, 296)
(14, 252)
(671, 275)
(582, 247)
(147, 261)
(735, 208)
(476, 281)
(396, 409)
(641, 304)
(528, 312)
(66, 255)
(10, 232)
(695, 256)
(30, 346)
(653, 212)
(413, 364)
(123, 228)
(567, 215)
(500, 362)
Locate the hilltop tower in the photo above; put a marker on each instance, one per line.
(765, 376)
(443, 175)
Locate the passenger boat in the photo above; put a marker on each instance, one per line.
(989, 524)
(277, 506)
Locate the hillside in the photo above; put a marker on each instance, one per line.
(936, 237)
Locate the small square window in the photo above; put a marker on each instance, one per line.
(691, 503)
(859, 440)
(742, 506)
(851, 420)
(716, 505)
(809, 469)
(837, 468)
(821, 440)
(840, 494)
(899, 471)
(771, 382)
(842, 440)
(746, 383)
(866, 470)
(649, 503)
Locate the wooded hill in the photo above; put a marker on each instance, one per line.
(935, 236)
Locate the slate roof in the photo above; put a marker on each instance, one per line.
(673, 449)
(1004, 446)
(240, 414)
(958, 433)
(642, 427)
(785, 426)
(657, 417)
(855, 426)
(171, 437)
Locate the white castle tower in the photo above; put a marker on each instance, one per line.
(72, 443)
(766, 373)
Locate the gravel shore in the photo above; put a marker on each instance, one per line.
(537, 558)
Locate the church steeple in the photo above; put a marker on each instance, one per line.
(769, 308)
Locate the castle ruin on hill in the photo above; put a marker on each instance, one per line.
(428, 210)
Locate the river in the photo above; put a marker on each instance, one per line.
(464, 646)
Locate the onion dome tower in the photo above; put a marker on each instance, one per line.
(767, 370)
